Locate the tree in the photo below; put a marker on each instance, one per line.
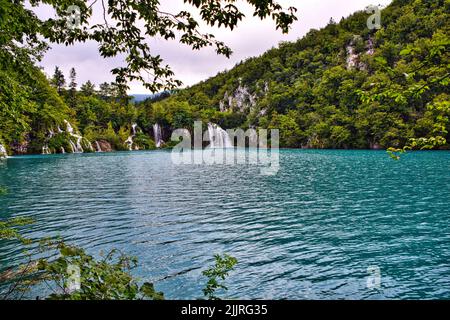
(58, 80)
(104, 90)
(122, 32)
(88, 88)
(72, 88)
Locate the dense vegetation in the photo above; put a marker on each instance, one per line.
(344, 86)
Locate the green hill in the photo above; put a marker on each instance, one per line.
(343, 86)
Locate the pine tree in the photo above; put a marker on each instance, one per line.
(58, 80)
(73, 88)
(88, 88)
(105, 90)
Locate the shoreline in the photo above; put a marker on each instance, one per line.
(170, 149)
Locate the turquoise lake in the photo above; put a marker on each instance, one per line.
(309, 232)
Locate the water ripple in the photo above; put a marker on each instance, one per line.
(310, 232)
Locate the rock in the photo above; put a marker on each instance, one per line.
(375, 146)
(104, 146)
(21, 147)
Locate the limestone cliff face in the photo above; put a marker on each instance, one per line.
(239, 100)
(242, 99)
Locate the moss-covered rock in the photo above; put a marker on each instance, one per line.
(143, 142)
(60, 141)
(86, 145)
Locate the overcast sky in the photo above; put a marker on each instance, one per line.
(252, 38)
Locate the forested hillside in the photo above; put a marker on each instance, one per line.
(343, 86)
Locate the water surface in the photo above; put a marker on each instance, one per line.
(310, 232)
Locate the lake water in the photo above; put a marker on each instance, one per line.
(309, 232)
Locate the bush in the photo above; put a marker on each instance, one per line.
(60, 140)
(143, 142)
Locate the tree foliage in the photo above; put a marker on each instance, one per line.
(343, 86)
(126, 27)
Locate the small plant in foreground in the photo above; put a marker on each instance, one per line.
(217, 273)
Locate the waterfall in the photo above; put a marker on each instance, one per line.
(79, 147)
(157, 134)
(3, 153)
(76, 147)
(45, 149)
(69, 127)
(129, 140)
(218, 137)
(97, 146)
(76, 140)
(73, 146)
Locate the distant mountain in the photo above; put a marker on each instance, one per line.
(141, 97)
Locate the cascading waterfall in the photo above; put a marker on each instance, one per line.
(129, 140)
(69, 127)
(157, 133)
(97, 145)
(73, 146)
(76, 141)
(45, 149)
(76, 147)
(218, 137)
(3, 153)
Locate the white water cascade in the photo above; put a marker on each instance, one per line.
(3, 153)
(129, 140)
(218, 137)
(97, 146)
(45, 150)
(157, 133)
(76, 147)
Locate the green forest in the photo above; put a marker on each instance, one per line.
(344, 86)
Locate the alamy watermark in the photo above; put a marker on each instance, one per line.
(374, 278)
(74, 278)
(374, 21)
(227, 147)
(73, 19)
